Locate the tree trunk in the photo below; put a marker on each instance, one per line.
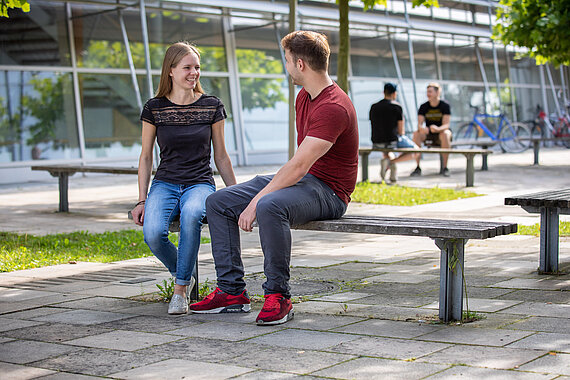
(344, 46)
(292, 27)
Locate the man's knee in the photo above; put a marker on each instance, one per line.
(268, 206)
(445, 137)
(216, 199)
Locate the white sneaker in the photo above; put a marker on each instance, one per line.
(393, 173)
(179, 304)
(384, 163)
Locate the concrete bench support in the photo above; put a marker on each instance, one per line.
(451, 278)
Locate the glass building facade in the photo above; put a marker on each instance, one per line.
(74, 75)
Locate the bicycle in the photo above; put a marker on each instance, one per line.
(512, 137)
(557, 128)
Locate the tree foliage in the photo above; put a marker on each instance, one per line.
(541, 26)
(11, 4)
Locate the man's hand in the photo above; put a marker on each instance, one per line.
(138, 214)
(247, 217)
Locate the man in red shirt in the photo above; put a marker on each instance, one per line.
(314, 185)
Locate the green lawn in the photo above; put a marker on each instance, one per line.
(563, 229)
(22, 251)
(394, 195)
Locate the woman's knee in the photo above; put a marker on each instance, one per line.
(154, 236)
(193, 213)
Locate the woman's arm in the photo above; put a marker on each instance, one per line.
(145, 170)
(221, 157)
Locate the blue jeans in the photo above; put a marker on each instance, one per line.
(307, 200)
(165, 201)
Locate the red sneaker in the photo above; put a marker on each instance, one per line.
(276, 310)
(220, 302)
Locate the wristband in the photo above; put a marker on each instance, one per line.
(140, 202)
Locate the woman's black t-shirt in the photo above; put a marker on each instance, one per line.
(184, 134)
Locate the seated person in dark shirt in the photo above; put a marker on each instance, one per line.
(387, 120)
(436, 115)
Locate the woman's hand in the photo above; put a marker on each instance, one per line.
(138, 214)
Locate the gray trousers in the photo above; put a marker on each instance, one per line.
(309, 199)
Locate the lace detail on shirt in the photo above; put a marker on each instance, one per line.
(177, 116)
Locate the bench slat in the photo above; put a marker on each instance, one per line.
(433, 228)
(559, 198)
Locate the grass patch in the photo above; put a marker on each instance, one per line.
(394, 195)
(23, 251)
(563, 229)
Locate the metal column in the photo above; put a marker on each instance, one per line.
(144, 28)
(401, 82)
(495, 62)
(564, 95)
(544, 99)
(511, 89)
(549, 74)
(130, 59)
(411, 52)
(78, 107)
(235, 91)
(482, 69)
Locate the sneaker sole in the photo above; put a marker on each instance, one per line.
(177, 312)
(237, 308)
(286, 318)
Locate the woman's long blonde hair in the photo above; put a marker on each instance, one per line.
(172, 57)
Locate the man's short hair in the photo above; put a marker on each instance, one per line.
(390, 88)
(434, 85)
(311, 47)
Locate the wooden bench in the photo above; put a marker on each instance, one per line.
(63, 172)
(450, 237)
(550, 204)
(468, 153)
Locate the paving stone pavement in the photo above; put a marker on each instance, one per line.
(367, 304)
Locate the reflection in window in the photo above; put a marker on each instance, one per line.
(458, 60)
(372, 57)
(36, 38)
(110, 116)
(37, 117)
(257, 48)
(220, 87)
(265, 113)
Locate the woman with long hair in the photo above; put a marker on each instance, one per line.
(186, 123)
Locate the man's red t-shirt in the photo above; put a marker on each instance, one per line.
(331, 117)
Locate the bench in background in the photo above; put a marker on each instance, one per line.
(468, 153)
(63, 172)
(549, 204)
